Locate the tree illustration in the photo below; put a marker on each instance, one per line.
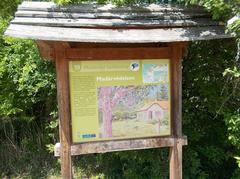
(162, 94)
(108, 99)
(111, 96)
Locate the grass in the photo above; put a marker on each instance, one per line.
(136, 128)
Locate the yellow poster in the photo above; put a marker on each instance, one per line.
(116, 99)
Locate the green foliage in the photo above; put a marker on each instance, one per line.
(220, 9)
(8, 7)
(208, 98)
(28, 96)
(142, 164)
(234, 72)
(224, 10)
(233, 123)
(235, 27)
(23, 82)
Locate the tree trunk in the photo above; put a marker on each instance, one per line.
(107, 111)
(107, 123)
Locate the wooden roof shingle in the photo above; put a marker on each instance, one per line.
(107, 23)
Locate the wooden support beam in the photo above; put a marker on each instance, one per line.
(176, 113)
(121, 145)
(176, 89)
(46, 49)
(118, 53)
(64, 111)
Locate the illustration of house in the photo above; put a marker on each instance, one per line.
(155, 110)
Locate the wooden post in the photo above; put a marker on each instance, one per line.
(64, 111)
(176, 114)
(176, 160)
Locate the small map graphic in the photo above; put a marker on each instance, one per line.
(153, 73)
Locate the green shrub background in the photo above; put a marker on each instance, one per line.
(211, 102)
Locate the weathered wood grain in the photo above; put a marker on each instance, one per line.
(176, 88)
(64, 110)
(118, 53)
(93, 7)
(121, 145)
(110, 24)
(112, 15)
(177, 50)
(175, 160)
(80, 45)
(46, 49)
(69, 22)
(116, 35)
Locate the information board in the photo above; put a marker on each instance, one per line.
(119, 99)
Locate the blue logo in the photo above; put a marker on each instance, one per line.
(87, 136)
(134, 66)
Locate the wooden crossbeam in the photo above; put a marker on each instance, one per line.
(121, 145)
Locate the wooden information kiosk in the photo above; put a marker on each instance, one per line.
(119, 73)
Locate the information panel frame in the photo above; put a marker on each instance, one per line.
(147, 81)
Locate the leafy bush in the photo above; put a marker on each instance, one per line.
(28, 96)
(208, 98)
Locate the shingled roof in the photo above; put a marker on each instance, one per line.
(162, 104)
(108, 23)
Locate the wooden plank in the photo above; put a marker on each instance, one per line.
(64, 111)
(116, 35)
(93, 7)
(176, 89)
(37, 5)
(112, 15)
(117, 45)
(46, 49)
(121, 145)
(175, 164)
(176, 112)
(118, 53)
(146, 23)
